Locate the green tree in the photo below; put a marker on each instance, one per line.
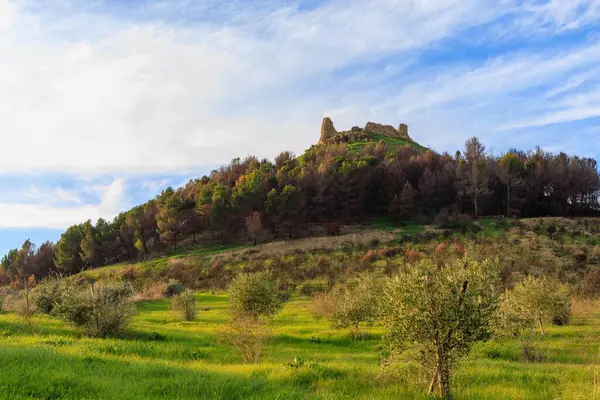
(440, 311)
(509, 169)
(540, 299)
(512, 322)
(67, 256)
(254, 295)
(170, 217)
(356, 305)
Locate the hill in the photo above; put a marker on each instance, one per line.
(373, 133)
(161, 356)
(350, 177)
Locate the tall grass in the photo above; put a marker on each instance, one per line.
(162, 357)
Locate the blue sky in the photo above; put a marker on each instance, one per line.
(105, 103)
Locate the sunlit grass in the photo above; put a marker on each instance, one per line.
(161, 356)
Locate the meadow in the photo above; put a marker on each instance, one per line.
(162, 357)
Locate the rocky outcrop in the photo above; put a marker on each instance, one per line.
(403, 131)
(386, 130)
(327, 130)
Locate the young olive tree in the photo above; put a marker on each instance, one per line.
(512, 322)
(254, 295)
(540, 299)
(357, 305)
(185, 304)
(253, 299)
(440, 312)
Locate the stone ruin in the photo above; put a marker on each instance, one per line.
(328, 130)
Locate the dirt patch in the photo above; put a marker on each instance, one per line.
(321, 242)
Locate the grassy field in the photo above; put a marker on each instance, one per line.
(160, 357)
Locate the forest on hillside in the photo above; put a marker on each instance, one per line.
(330, 184)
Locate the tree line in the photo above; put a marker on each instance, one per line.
(331, 183)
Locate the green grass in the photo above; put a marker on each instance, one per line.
(199, 252)
(46, 359)
(391, 142)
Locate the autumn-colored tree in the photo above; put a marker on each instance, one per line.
(254, 226)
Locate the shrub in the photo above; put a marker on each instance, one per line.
(511, 322)
(248, 335)
(333, 228)
(189, 274)
(590, 285)
(99, 311)
(185, 304)
(440, 312)
(23, 305)
(308, 289)
(357, 305)
(47, 295)
(323, 304)
(542, 298)
(254, 295)
(6, 293)
(173, 288)
(369, 258)
(151, 291)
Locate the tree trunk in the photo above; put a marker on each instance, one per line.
(541, 326)
(444, 381)
(508, 199)
(433, 383)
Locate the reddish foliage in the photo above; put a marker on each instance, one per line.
(333, 228)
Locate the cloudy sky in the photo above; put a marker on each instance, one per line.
(105, 102)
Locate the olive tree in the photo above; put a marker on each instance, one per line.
(253, 299)
(185, 304)
(540, 299)
(254, 295)
(512, 322)
(440, 312)
(356, 305)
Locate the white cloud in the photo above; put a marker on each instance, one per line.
(150, 97)
(15, 215)
(86, 93)
(7, 15)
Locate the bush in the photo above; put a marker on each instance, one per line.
(511, 322)
(47, 295)
(22, 305)
(323, 304)
(248, 335)
(173, 288)
(6, 293)
(590, 285)
(254, 295)
(99, 311)
(357, 305)
(541, 299)
(185, 304)
(308, 289)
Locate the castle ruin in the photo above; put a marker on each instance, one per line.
(328, 130)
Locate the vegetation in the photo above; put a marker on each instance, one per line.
(254, 295)
(421, 255)
(540, 299)
(437, 313)
(329, 184)
(185, 304)
(99, 311)
(179, 360)
(356, 305)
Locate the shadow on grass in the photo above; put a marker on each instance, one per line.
(26, 373)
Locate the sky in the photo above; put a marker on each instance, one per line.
(104, 103)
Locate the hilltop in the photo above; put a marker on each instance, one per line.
(357, 138)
